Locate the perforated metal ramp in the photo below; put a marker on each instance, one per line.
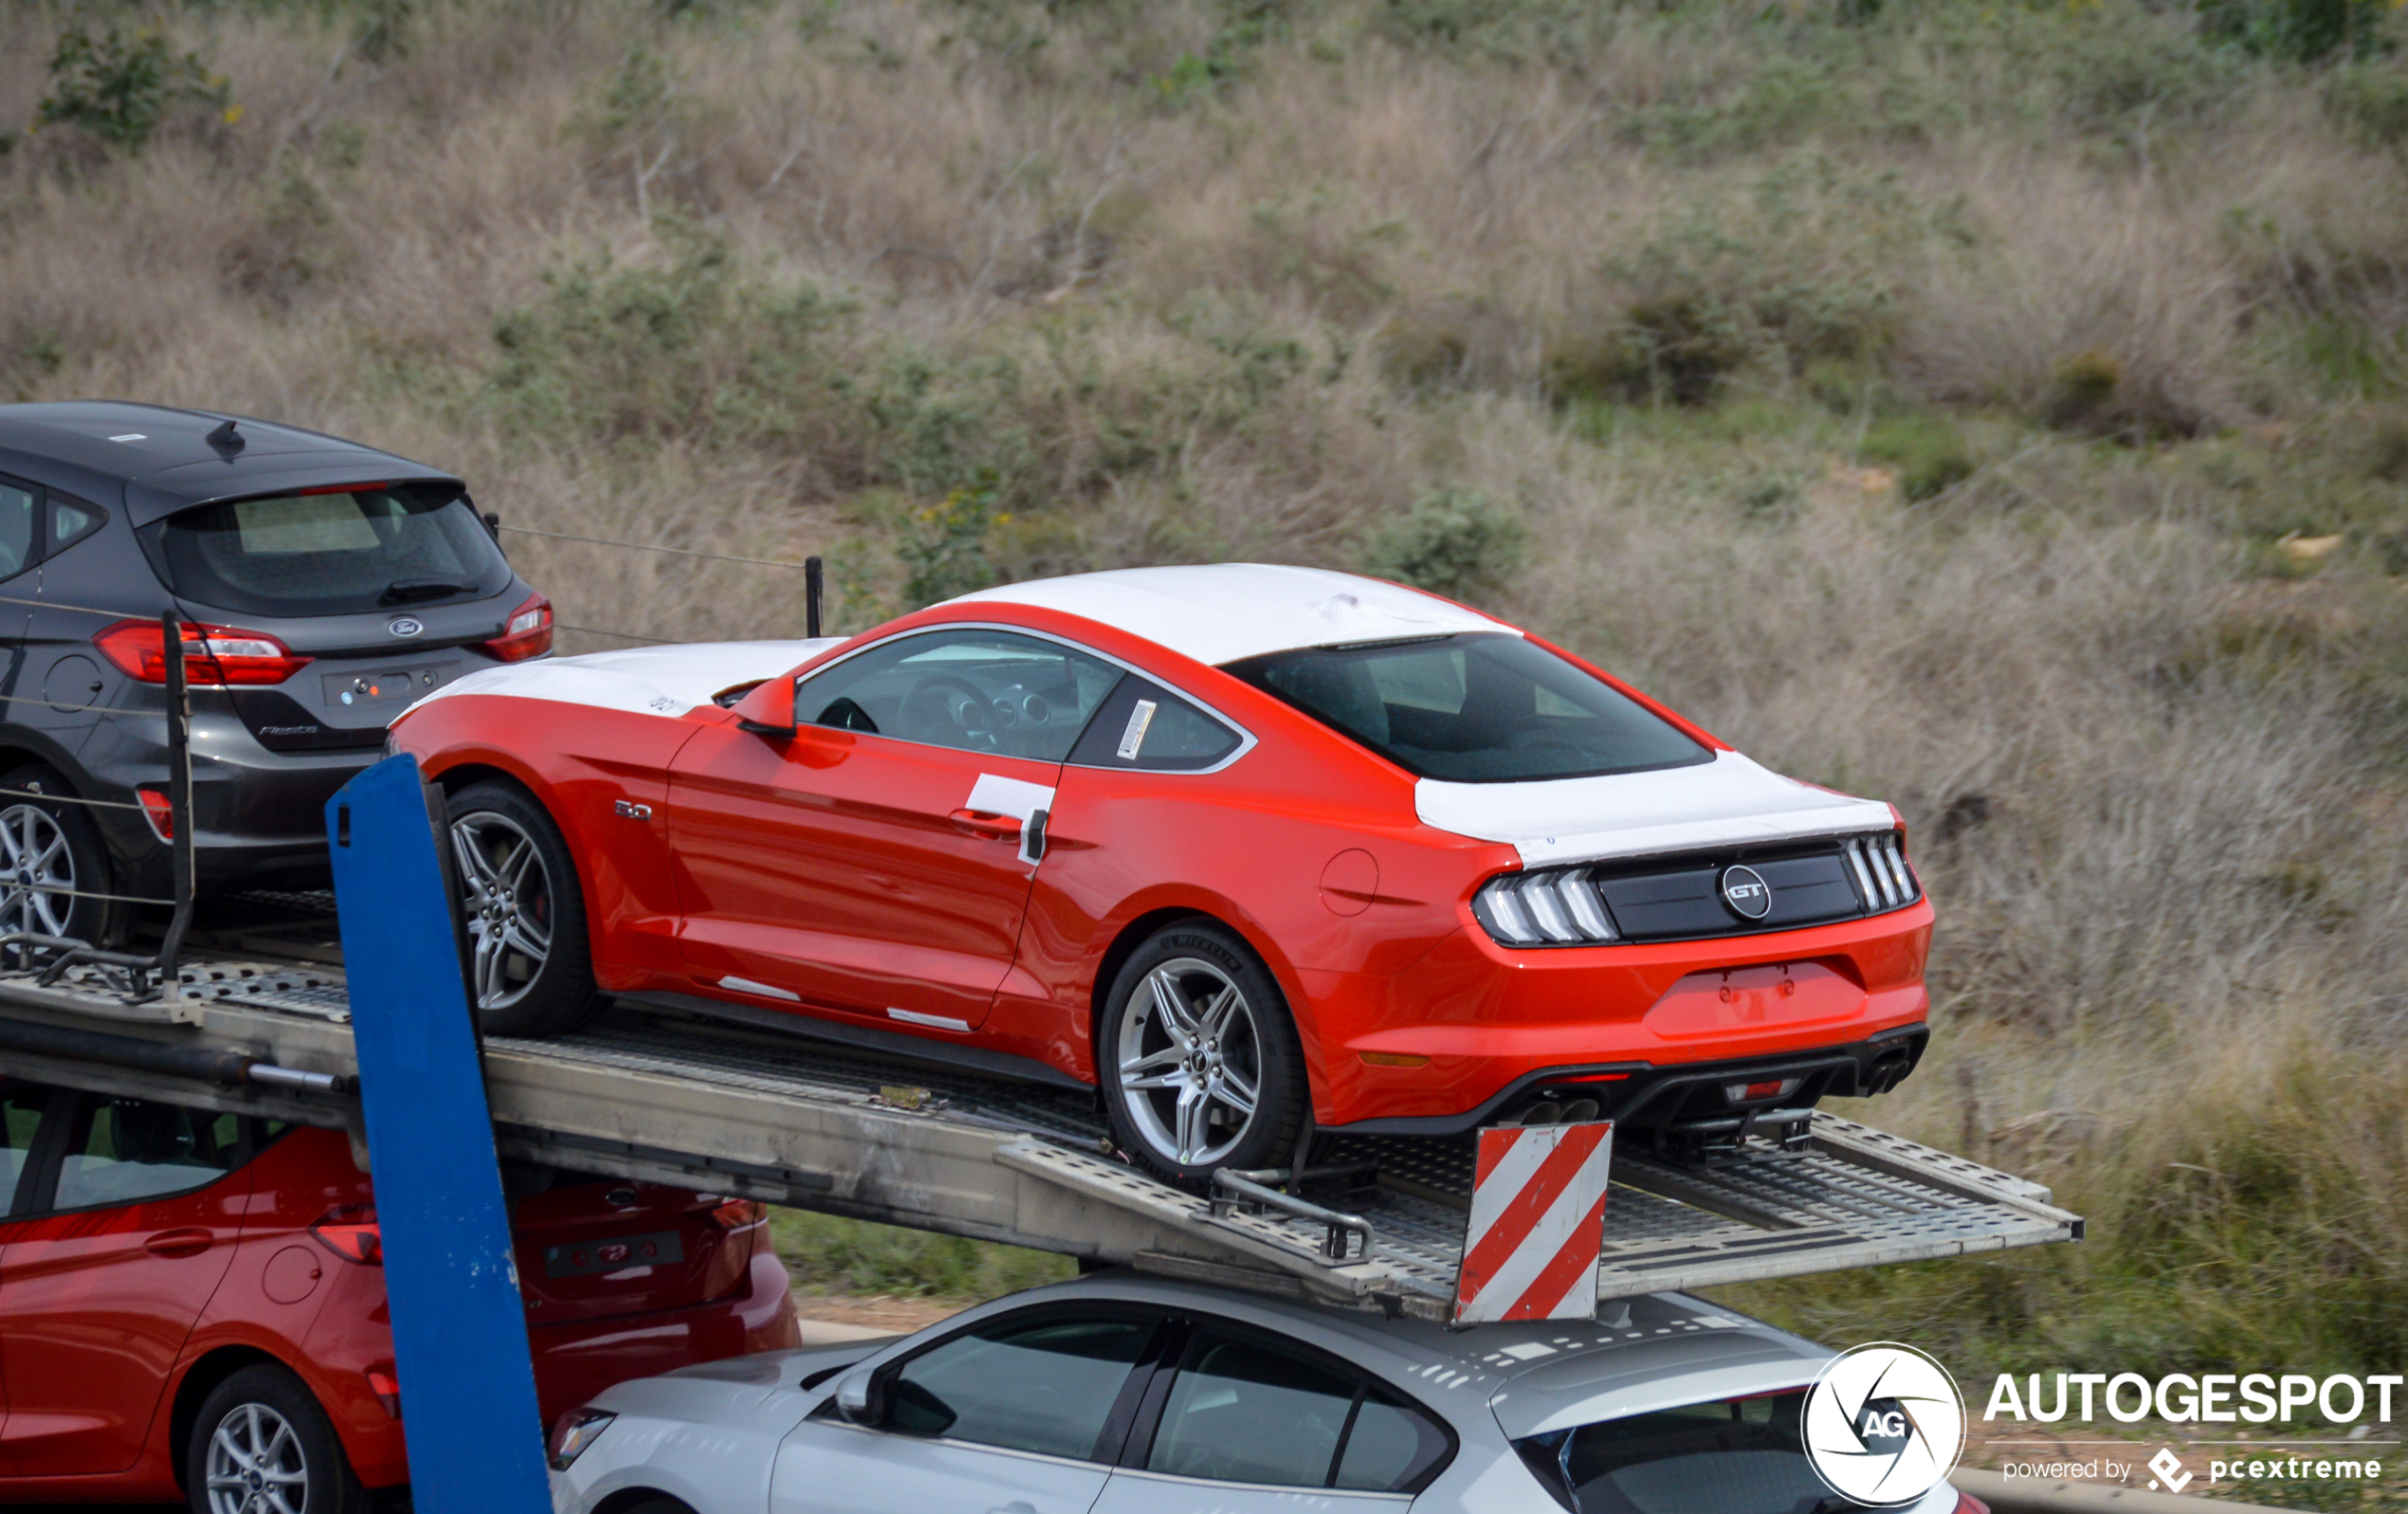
(654, 1097)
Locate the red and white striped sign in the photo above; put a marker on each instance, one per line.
(1537, 1223)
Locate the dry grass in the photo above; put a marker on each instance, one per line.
(1101, 304)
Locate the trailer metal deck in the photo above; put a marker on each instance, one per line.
(259, 1023)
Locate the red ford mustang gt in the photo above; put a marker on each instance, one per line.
(1256, 850)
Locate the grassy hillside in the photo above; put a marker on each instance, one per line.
(1998, 408)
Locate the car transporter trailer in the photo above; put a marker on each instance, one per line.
(256, 1016)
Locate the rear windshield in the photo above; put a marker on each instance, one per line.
(1482, 708)
(330, 554)
(1727, 1456)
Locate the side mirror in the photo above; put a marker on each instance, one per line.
(767, 710)
(853, 1395)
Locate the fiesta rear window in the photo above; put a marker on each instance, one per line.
(330, 554)
(1479, 707)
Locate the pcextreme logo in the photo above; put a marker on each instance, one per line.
(1884, 1424)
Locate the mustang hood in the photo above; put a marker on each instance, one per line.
(1729, 801)
(648, 680)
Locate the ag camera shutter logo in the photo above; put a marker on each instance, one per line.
(1884, 1424)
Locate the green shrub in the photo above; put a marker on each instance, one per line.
(1452, 542)
(120, 85)
(1795, 265)
(944, 546)
(698, 349)
(2371, 100)
(2299, 31)
(2082, 389)
(828, 1253)
(1928, 451)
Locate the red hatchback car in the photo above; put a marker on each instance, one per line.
(188, 1299)
(1254, 850)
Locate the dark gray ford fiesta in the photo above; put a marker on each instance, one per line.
(327, 585)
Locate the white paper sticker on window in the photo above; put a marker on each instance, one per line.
(1135, 736)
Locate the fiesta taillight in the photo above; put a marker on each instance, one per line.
(350, 1232)
(735, 1213)
(159, 810)
(526, 633)
(386, 1386)
(1560, 907)
(214, 656)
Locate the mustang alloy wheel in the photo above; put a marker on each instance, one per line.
(1200, 1059)
(510, 909)
(531, 971)
(1190, 1062)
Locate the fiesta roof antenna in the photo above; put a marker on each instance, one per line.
(224, 438)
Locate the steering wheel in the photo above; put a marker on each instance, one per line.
(928, 715)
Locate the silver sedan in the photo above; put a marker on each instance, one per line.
(1121, 1393)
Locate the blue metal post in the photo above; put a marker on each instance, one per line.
(460, 1330)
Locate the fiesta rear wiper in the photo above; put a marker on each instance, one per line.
(403, 591)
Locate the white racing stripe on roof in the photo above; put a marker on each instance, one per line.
(663, 681)
(1226, 611)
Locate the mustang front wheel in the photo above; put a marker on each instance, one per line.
(531, 969)
(1202, 1065)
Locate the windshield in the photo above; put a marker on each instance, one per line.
(1726, 1456)
(330, 554)
(1480, 708)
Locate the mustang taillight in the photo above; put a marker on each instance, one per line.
(214, 656)
(1560, 907)
(1879, 863)
(526, 633)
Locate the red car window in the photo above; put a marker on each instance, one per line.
(131, 1149)
(972, 689)
(21, 1106)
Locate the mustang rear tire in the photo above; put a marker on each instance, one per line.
(1198, 1057)
(261, 1445)
(531, 963)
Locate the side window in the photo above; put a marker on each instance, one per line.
(1045, 1385)
(21, 1106)
(16, 529)
(972, 690)
(122, 1151)
(71, 520)
(1390, 1447)
(1245, 1411)
(1144, 725)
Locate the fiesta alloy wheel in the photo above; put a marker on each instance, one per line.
(261, 1445)
(52, 864)
(1201, 1064)
(530, 966)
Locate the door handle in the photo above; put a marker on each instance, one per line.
(180, 1242)
(987, 825)
(1018, 1505)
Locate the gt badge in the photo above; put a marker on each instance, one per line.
(1747, 893)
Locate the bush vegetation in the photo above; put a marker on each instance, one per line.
(2001, 407)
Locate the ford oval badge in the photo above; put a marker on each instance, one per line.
(404, 626)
